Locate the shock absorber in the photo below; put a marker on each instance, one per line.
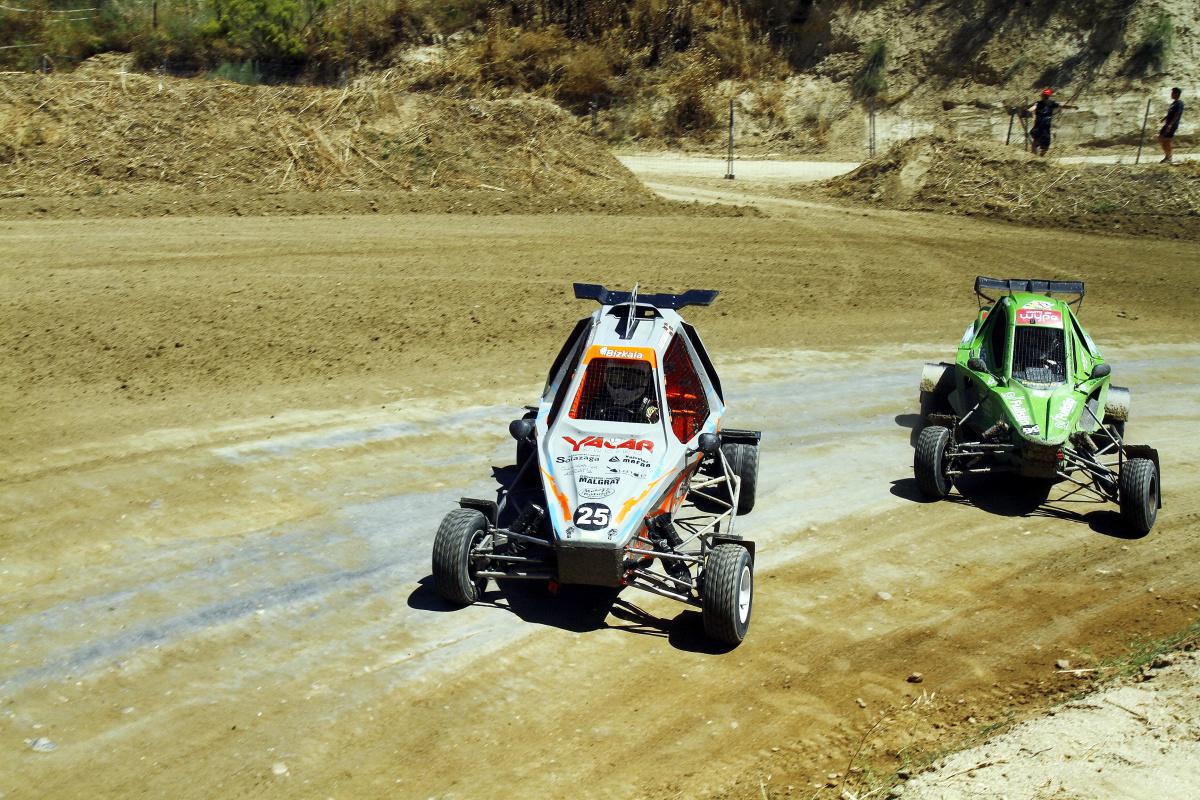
(530, 520)
(662, 529)
(665, 539)
(999, 427)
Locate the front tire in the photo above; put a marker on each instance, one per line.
(929, 462)
(453, 571)
(1139, 494)
(728, 593)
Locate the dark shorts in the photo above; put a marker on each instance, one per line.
(1040, 138)
(1168, 131)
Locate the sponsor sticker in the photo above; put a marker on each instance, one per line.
(1038, 316)
(602, 442)
(577, 458)
(632, 472)
(577, 463)
(1063, 415)
(634, 466)
(631, 460)
(968, 336)
(630, 353)
(594, 487)
(1016, 404)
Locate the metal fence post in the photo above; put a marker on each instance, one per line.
(871, 128)
(1142, 140)
(729, 156)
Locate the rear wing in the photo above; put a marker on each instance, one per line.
(983, 285)
(609, 297)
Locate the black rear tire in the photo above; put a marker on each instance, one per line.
(1139, 494)
(728, 593)
(743, 461)
(929, 462)
(453, 572)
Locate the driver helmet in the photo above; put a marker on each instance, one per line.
(625, 384)
(1047, 92)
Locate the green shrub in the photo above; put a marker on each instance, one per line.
(1156, 46)
(269, 30)
(246, 72)
(871, 80)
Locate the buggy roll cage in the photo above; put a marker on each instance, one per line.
(984, 284)
(608, 297)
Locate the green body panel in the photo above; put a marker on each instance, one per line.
(1040, 418)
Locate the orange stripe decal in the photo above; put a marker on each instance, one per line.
(562, 498)
(629, 504)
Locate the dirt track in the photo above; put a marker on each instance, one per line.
(213, 553)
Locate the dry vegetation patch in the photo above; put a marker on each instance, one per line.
(102, 131)
(981, 179)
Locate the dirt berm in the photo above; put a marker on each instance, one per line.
(989, 180)
(103, 141)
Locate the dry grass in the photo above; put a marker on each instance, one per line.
(102, 130)
(990, 180)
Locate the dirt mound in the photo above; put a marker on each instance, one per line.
(1135, 739)
(981, 179)
(103, 131)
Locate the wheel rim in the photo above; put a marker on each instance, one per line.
(1153, 493)
(745, 590)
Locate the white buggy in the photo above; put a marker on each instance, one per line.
(626, 473)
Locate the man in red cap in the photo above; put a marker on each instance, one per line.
(1043, 117)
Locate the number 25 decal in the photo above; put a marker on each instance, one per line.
(592, 516)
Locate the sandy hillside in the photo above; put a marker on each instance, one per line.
(958, 69)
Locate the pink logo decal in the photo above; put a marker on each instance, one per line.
(1038, 316)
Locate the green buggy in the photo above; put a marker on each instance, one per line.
(1030, 393)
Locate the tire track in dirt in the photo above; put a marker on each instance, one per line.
(322, 602)
(283, 471)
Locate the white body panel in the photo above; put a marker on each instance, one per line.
(602, 479)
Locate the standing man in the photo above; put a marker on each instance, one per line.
(1043, 118)
(1166, 136)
